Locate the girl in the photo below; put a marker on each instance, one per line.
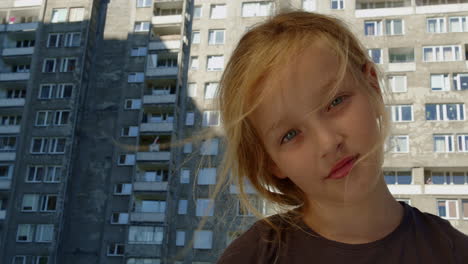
(305, 124)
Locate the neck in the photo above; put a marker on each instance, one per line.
(359, 222)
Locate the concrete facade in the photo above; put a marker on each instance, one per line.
(94, 93)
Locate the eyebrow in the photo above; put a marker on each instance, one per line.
(278, 123)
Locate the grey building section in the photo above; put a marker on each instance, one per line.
(95, 94)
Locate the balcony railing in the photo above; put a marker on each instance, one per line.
(9, 129)
(154, 156)
(9, 102)
(5, 184)
(7, 156)
(143, 186)
(161, 20)
(147, 217)
(159, 99)
(165, 44)
(14, 76)
(157, 127)
(162, 71)
(21, 3)
(22, 26)
(2, 214)
(18, 51)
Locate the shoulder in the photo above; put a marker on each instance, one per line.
(256, 245)
(443, 230)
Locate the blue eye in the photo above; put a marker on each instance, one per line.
(289, 136)
(339, 98)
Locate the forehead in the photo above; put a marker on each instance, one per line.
(302, 82)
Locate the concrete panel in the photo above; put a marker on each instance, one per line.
(405, 189)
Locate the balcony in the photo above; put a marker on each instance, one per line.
(164, 20)
(147, 217)
(159, 99)
(12, 102)
(165, 43)
(153, 156)
(5, 184)
(22, 3)
(431, 6)
(2, 214)
(9, 129)
(144, 186)
(446, 189)
(162, 71)
(22, 26)
(14, 76)
(157, 127)
(405, 189)
(7, 156)
(18, 51)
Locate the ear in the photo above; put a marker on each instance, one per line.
(275, 170)
(369, 71)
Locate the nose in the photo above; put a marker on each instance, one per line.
(328, 139)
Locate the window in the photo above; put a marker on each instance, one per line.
(54, 40)
(443, 143)
(48, 145)
(252, 9)
(144, 3)
(209, 147)
(44, 233)
(215, 63)
(190, 119)
(187, 148)
(394, 27)
(142, 26)
(185, 176)
(462, 143)
(441, 53)
(126, 159)
(122, 189)
(448, 177)
(132, 104)
(398, 83)
(309, 5)
(136, 77)
(375, 55)
(207, 176)
(61, 118)
(373, 28)
(130, 131)
(57, 145)
(242, 210)
(448, 209)
(49, 65)
(194, 63)
(402, 113)
(465, 209)
(68, 65)
(196, 37)
(205, 207)
(115, 249)
(76, 14)
(203, 239)
(43, 118)
(48, 203)
(440, 82)
(197, 12)
(445, 112)
(25, 233)
(211, 118)
(30, 203)
(192, 90)
(72, 39)
(7, 143)
(42, 260)
(10, 120)
(436, 25)
(182, 208)
(337, 4)
(399, 144)
(139, 52)
(145, 235)
(59, 15)
(216, 36)
(6, 171)
(211, 89)
(458, 24)
(19, 260)
(51, 91)
(218, 11)
(460, 81)
(180, 238)
(398, 177)
(401, 55)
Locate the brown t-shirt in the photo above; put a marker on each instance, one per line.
(421, 238)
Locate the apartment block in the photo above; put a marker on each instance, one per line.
(95, 94)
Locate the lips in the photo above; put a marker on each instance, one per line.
(342, 168)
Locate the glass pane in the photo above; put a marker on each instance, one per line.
(431, 112)
(406, 113)
(438, 178)
(441, 207)
(404, 177)
(458, 178)
(452, 111)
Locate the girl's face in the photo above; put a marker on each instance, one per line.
(305, 145)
